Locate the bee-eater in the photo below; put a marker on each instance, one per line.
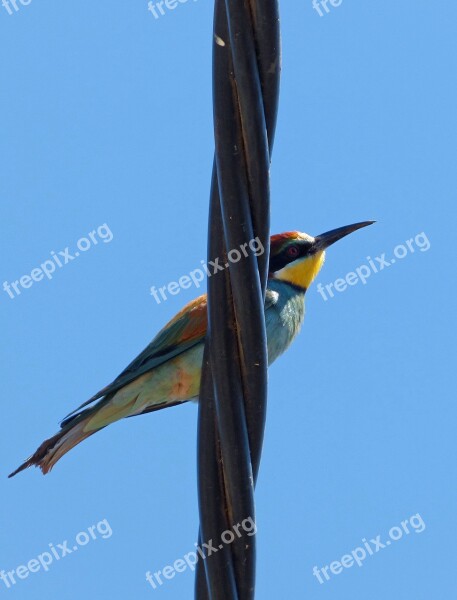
(168, 370)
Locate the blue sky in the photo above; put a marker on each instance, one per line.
(107, 121)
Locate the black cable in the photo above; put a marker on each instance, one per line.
(246, 68)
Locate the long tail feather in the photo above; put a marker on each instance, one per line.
(54, 448)
(77, 427)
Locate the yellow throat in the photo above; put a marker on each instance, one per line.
(302, 272)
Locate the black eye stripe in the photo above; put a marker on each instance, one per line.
(282, 259)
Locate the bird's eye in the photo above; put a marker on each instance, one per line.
(293, 251)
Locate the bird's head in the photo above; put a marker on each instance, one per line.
(296, 258)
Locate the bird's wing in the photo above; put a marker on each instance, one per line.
(185, 330)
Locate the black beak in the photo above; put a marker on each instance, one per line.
(324, 240)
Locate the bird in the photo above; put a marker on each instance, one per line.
(168, 371)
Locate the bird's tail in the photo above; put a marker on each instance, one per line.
(83, 423)
(54, 448)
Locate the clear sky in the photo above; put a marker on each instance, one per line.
(107, 128)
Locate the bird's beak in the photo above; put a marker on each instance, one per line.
(324, 240)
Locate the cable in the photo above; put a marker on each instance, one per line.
(233, 394)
